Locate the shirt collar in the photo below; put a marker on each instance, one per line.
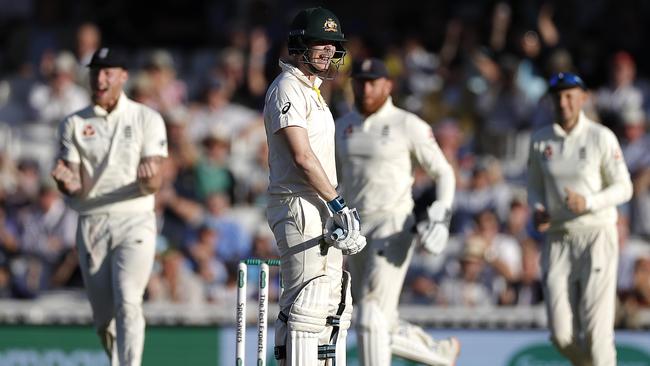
(575, 131)
(121, 105)
(285, 66)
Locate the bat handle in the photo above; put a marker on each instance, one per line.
(337, 234)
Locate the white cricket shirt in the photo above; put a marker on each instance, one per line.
(108, 147)
(292, 100)
(588, 160)
(375, 160)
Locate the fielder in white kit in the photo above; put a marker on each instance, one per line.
(576, 178)
(375, 146)
(109, 167)
(304, 208)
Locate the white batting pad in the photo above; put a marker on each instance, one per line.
(307, 319)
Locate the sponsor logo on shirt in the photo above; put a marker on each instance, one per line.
(128, 133)
(285, 107)
(582, 154)
(548, 152)
(88, 131)
(385, 131)
(348, 131)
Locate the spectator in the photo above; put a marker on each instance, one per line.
(46, 232)
(217, 111)
(467, 288)
(527, 290)
(638, 297)
(8, 238)
(88, 39)
(470, 201)
(621, 94)
(253, 176)
(635, 145)
(60, 96)
(168, 92)
(502, 252)
(213, 174)
(27, 185)
(235, 242)
(176, 214)
(180, 147)
(175, 283)
(203, 252)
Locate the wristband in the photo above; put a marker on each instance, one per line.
(336, 205)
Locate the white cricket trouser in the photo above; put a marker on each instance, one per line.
(116, 254)
(580, 291)
(378, 273)
(297, 224)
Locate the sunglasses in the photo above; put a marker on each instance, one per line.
(566, 80)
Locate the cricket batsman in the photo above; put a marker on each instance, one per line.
(312, 225)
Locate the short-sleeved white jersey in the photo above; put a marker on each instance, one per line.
(375, 155)
(292, 100)
(587, 160)
(108, 147)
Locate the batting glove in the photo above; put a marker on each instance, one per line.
(343, 229)
(434, 233)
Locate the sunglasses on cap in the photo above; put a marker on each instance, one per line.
(565, 80)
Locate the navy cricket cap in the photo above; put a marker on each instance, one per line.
(565, 80)
(108, 57)
(369, 68)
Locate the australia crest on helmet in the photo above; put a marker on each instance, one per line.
(330, 25)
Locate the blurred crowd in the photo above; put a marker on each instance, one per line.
(482, 88)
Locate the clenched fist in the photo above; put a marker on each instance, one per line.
(575, 201)
(68, 182)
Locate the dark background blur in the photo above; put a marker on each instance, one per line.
(590, 29)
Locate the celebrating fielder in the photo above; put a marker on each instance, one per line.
(375, 146)
(312, 225)
(109, 166)
(576, 178)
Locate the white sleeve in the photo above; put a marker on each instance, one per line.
(286, 106)
(535, 184)
(616, 177)
(426, 151)
(155, 136)
(67, 147)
